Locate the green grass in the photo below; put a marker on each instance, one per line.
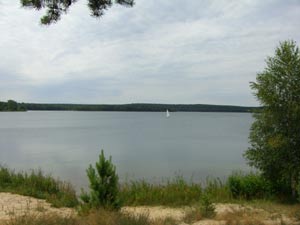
(174, 192)
(240, 188)
(38, 185)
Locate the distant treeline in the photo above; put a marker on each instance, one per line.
(140, 107)
(136, 107)
(12, 105)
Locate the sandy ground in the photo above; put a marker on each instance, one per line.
(223, 213)
(12, 205)
(17, 205)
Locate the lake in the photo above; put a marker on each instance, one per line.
(142, 144)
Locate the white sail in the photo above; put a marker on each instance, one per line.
(167, 113)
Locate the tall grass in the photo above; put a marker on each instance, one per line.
(178, 192)
(217, 190)
(39, 185)
(174, 192)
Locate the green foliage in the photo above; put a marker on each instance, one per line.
(298, 192)
(103, 185)
(217, 190)
(207, 206)
(249, 186)
(174, 192)
(38, 185)
(12, 105)
(274, 136)
(55, 8)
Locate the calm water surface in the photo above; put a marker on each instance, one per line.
(142, 144)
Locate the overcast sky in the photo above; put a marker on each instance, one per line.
(159, 51)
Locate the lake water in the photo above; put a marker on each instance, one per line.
(142, 144)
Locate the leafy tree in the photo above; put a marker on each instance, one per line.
(55, 8)
(275, 134)
(12, 105)
(2, 106)
(103, 185)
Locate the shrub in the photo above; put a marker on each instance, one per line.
(249, 186)
(208, 209)
(103, 184)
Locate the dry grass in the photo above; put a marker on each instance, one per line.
(45, 219)
(290, 210)
(262, 213)
(97, 217)
(242, 218)
(192, 215)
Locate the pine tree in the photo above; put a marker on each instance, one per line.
(55, 8)
(103, 185)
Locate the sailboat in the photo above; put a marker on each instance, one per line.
(167, 114)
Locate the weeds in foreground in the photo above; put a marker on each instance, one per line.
(207, 207)
(45, 219)
(244, 218)
(38, 185)
(192, 215)
(98, 217)
(217, 190)
(174, 192)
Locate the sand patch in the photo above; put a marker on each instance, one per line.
(13, 205)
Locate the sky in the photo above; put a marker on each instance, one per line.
(177, 52)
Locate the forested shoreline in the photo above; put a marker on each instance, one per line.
(11, 105)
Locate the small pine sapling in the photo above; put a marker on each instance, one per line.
(104, 189)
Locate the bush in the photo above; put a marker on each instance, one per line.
(103, 184)
(249, 186)
(208, 209)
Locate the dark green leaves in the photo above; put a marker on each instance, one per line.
(55, 8)
(274, 136)
(103, 185)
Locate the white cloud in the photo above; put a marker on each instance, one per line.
(158, 51)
